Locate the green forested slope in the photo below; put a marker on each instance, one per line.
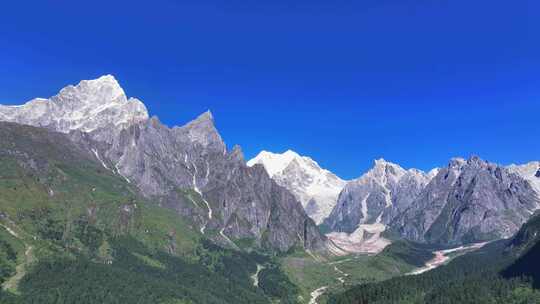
(72, 231)
(489, 275)
(81, 234)
(526, 244)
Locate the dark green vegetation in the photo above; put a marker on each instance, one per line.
(276, 284)
(472, 278)
(8, 260)
(9, 247)
(140, 275)
(340, 273)
(74, 232)
(412, 253)
(527, 245)
(528, 265)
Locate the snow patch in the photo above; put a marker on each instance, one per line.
(120, 173)
(363, 205)
(222, 233)
(99, 158)
(199, 191)
(203, 227)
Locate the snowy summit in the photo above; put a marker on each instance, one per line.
(90, 105)
(316, 188)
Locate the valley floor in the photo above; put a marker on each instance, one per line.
(317, 278)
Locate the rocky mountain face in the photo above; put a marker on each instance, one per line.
(188, 168)
(377, 196)
(530, 172)
(316, 188)
(367, 204)
(468, 201)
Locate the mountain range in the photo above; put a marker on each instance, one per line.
(276, 200)
(187, 169)
(467, 201)
(98, 198)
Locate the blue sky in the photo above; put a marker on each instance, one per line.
(415, 82)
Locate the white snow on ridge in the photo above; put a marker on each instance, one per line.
(529, 172)
(90, 105)
(274, 163)
(316, 188)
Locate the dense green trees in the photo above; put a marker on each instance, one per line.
(8, 260)
(141, 275)
(528, 242)
(473, 278)
(276, 284)
(412, 253)
(527, 265)
(95, 239)
(91, 265)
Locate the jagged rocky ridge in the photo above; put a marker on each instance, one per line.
(377, 196)
(367, 204)
(316, 188)
(189, 169)
(530, 172)
(468, 201)
(186, 168)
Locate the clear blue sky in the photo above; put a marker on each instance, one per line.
(415, 82)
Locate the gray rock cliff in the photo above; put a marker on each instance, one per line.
(185, 168)
(468, 201)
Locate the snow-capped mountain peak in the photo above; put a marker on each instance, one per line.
(316, 188)
(530, 172)
(87, 106)
(432, 173)
(273, 162)
(102, 90)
